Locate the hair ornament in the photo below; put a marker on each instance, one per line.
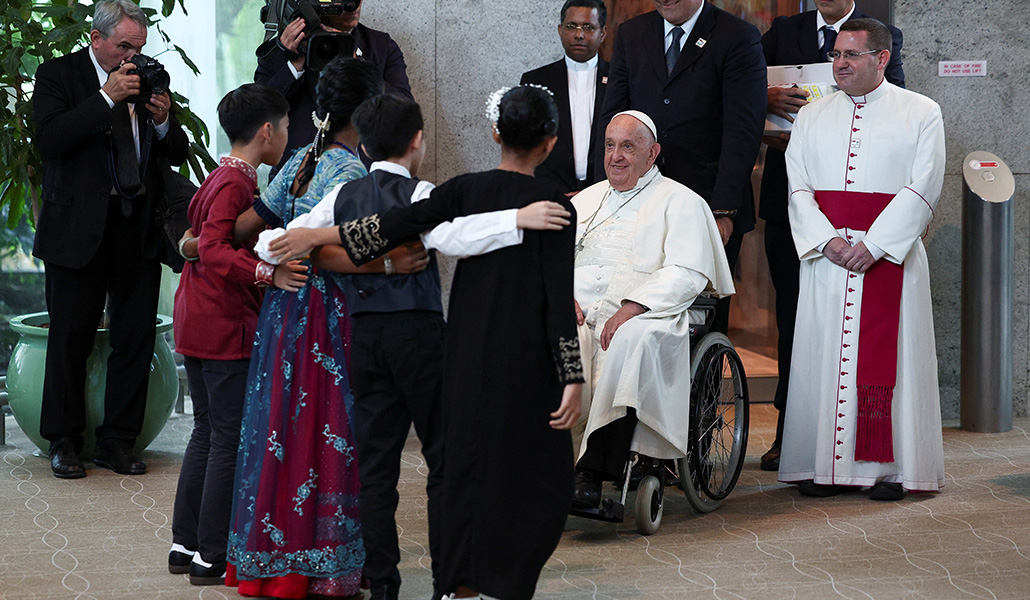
(322, 126)
(540, 87)
(493, 105)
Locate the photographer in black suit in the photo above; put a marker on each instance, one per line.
(96, 233)
(285, 70)
(578, 82)
(796, 40)
(699, 73)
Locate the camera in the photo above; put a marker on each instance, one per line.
(313, 10)
(321, 46)
(153, 79)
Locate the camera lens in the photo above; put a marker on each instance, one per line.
(160, 81)
(324, 49)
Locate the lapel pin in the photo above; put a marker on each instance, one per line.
(604, 80)
(701, 42)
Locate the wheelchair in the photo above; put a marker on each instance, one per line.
(718, 430)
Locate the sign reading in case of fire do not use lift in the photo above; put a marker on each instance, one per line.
(962, 68)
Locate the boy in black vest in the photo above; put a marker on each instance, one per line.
(396, 345)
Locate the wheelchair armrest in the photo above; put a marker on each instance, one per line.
(704, 303)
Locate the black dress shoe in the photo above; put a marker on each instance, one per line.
(771, 459)
(65, 461)
(120, 460)
(212, 575)
(887, 491)
(179, 561)
(587, 493)
(810, 488)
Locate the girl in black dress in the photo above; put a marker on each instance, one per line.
(512, 371)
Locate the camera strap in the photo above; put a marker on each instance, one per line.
(270, 14)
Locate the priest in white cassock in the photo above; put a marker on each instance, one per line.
(647, 246)
(865, 167)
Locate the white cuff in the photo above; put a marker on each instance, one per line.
(296, 74)
(264, 239)
(162, 129)
(873, 249)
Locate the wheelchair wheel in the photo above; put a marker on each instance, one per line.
(718, 424)
(649, 504)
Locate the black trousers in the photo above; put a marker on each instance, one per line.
(396, 375)
(608, 448)
(785, 270)
(721, 322)
(75, 300)
(203, 497)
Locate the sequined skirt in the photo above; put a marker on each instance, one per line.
(296, 505)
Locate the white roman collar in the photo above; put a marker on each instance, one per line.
(573, 65)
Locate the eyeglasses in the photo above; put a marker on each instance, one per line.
(847, 55)
(586, 29)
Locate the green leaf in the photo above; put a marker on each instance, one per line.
(189, 63)
(17, 206)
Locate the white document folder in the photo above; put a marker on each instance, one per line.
(816, 79)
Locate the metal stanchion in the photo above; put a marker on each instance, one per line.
(987, 294)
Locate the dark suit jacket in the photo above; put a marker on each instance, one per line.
(710, 112)
(560, 166)
(73, 123)
(376, 47)
(794, 41)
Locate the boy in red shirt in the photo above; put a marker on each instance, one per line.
(216, 313)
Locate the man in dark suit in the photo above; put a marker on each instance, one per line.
(96, 233)
(800, 39)
(285, 71)
(699, 72)
(578, 82)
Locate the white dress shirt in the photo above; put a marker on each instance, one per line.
(687, 27)
(820, 22)
(582, 90)
(465, 236)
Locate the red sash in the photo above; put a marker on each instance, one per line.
(878, 334)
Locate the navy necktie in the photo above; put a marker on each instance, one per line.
(673, 53)
(829, 37)
(125, 161)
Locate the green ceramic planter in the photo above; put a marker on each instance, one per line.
(25, 382)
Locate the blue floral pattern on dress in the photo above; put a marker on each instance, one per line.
(339, 443)
(304, 491)
(274, 533)
(274, 446)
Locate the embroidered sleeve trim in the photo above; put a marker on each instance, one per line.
(570, 361)
(361, 239)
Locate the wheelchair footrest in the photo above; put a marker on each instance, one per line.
(610, 510)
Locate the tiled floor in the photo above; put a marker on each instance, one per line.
(106, 537)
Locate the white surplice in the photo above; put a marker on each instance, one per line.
(889, 141)
(656, 244)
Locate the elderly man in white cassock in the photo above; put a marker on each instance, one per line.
(865, 166)
(646, 247)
